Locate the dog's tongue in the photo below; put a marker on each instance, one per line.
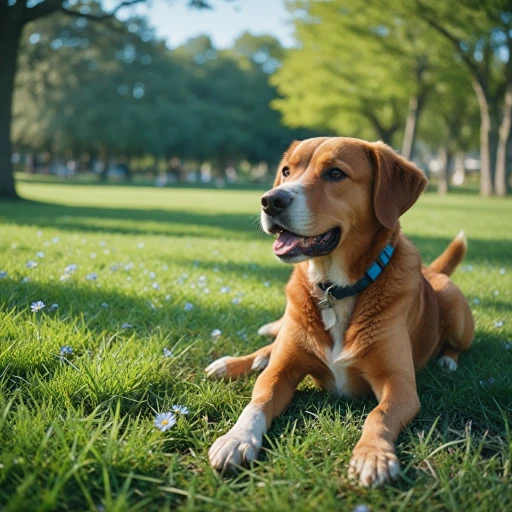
(285, 243)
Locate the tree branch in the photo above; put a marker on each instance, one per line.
(50, 6)
(100, 17)
(454, 40)
(41, 10)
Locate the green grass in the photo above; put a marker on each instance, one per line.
(79, 434)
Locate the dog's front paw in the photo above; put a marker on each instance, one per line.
(219, 368)
(374, 466)
(232, 451)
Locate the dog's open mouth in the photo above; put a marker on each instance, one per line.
(289, 245)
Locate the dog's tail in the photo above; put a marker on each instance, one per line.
(452, 255)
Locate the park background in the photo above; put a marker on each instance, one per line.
(136, 139)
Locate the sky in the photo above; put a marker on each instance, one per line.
(176, 23)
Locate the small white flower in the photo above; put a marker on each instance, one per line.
(498, 324)
(53, 307)
(225, 289)
(216, 333)
(496, 293)
(165, 420)
(31, 264)
(65, 277)
(40, 254)
(179, 409)
(236, 300)
(152, 275)
(39, 233)
(155, 286)
(206, 291)
(103, 243)
(168, 352)
(66, 350)
(3, 274)
(129, 278)
(127, 326)
(104, 305)
(167, 297)
(70, 268)
(25, 280)
(55, 239)
(189, 306)
(266, 284)
(140, 245)
(128, 266)
(241, 334)
(361, 508)
(215, 269)
(13, 246)
(202, 279)
(165, 267)
(37, 306)
(508, 345)
(476, 300)
(93, 255)
(502, 271)
(91, 277)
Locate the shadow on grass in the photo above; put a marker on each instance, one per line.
(162, 222)
(181, 223)
(91, 181)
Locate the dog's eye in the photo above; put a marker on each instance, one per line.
(336, 174)
(285, 172)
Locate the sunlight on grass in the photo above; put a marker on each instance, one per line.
(170, 267)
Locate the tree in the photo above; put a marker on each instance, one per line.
(127, 95)
(370, 71)
(481, 36)
(451, 114)
(14, 16)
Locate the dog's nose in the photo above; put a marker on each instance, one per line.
(275, 202)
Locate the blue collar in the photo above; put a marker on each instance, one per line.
(333, 293)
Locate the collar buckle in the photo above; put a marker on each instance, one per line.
(328, 301)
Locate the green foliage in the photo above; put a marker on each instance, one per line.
(79, 435)
(359, 63)
(83, 87)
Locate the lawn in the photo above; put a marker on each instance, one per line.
(164, 269)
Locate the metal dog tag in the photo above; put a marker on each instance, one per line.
(328, 301)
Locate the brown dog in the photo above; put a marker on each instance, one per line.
(335, 206)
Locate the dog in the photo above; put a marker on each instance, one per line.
(362, 313)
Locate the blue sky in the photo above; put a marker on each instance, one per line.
(176, 23)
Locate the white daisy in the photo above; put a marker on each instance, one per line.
(164, 421)
(37, 306)
(179, 409)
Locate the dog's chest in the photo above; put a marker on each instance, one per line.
(336, 321)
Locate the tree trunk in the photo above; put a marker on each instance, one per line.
(485, 141)
(459, 176)
(442, 185)
(415, 106)
(9, 43)
(500, 178)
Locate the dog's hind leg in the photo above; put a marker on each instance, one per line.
(272, 329)
(230, 368)
(457, 322)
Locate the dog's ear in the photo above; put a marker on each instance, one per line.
(397, 184)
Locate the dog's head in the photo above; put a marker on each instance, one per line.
(327, 189)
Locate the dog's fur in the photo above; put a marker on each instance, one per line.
(372, 342)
